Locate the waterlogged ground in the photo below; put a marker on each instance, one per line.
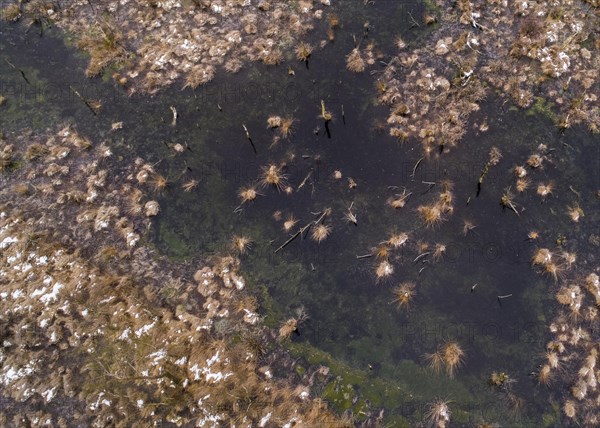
(375, 350)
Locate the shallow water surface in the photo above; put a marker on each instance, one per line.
(377, 350)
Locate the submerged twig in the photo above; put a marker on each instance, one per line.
(304, 181)
(500, 298)
(249, 139)
(83, 99)
(294, 236)
(414, 23)
(574, 191)
(323, 214)
(415, 167)
(18, 69)
(364, 256)
(420, 256)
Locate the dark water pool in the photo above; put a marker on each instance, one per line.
(377, 350)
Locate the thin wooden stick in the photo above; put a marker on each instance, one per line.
(174, 111)
(83, 99)
(416, 166)
(413, 21)
(249, 139)
(304, 228)
(420, 256)
(506, 296)
(304, 181)
(18, 69)
(294, 236)
(364, 256)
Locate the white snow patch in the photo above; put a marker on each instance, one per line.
(125, 334)
(144, 329)
(16, 294)
(7, 241)
(52, 296)
(49, 394)
(11, 375)
(157, 356)
(264, 420)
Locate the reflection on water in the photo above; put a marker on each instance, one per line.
(379, 349)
